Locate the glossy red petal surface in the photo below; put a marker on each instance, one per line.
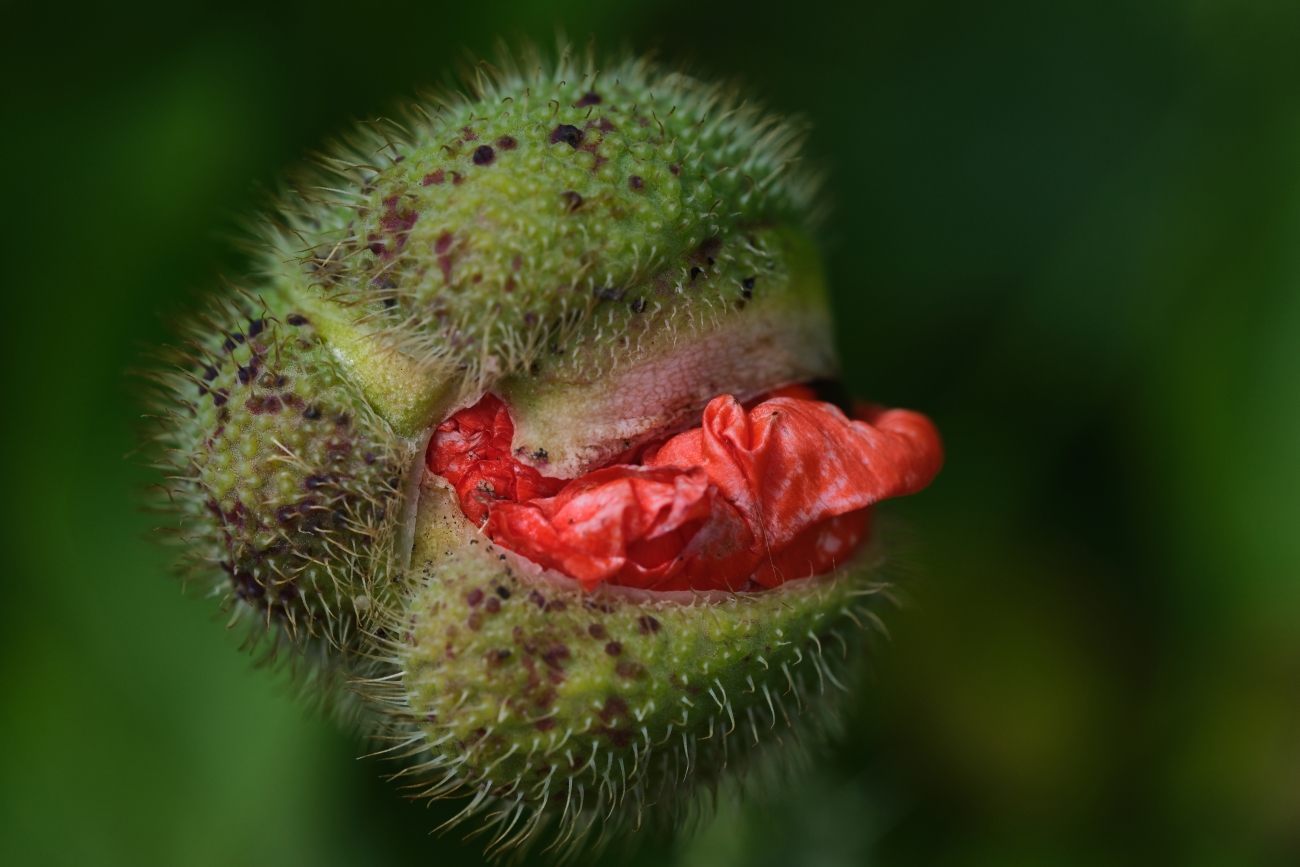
(472, 451)
(750, 498)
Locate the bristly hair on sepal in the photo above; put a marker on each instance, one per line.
(483, 227)
(652, 734)
(284, 487)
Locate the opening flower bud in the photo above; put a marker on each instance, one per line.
(525, 437)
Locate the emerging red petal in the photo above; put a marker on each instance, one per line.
(751, 497)
(472, 451)
(619, 522)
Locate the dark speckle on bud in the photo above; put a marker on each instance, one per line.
(567, 133)
(483, 155)
(295, 320)
(636, 182)
(555, 655)
(613, 648)
(255, 327)
(572, 200)
(263, 405)
(589, 98)
(630, 670)
(639, 305)
(507, 143)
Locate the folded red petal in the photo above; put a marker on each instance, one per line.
(609, 521)
(750, 498)
(818, 549)
(789, 463)
(472, 451)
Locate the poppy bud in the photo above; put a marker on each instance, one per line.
(523, 444)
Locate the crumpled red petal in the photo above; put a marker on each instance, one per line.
(472, 451)
(626, 521)
(747, 500)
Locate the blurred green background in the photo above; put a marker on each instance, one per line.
(1068, 231)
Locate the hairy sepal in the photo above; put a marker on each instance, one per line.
(548, 705)
(286, 487)
(555, 205)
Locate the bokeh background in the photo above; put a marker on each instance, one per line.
(1069, 231)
